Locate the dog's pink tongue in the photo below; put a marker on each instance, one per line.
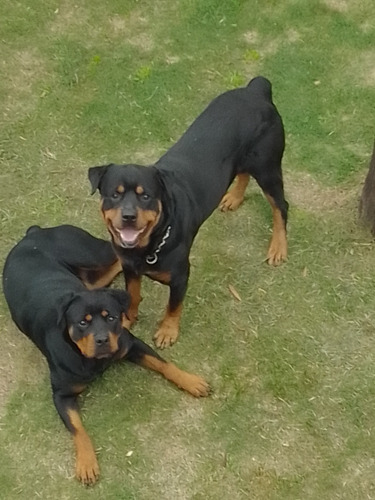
(129, 235)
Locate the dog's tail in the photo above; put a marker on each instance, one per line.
(261, 86)
(32, 229)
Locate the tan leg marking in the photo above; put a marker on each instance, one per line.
(193, 384)
(162, 277)
(100, 277)
(233, 198)
(168, 331)
(278, 248)
(78, 388)
(133, 286)
(87, 468)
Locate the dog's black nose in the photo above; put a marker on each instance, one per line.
(129, 217)
(102, 340)
(129, 214)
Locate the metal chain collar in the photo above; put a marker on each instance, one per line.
(152, 259)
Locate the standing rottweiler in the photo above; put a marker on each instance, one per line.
(50, 282)
(154, 213)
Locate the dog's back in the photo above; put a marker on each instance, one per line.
(219, 142)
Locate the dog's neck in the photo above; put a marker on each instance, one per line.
(153, 257)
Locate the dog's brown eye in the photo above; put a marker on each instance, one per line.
(110, 318)
(83, 322)
(145, 196)
(115, 195)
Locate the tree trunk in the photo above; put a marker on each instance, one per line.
(367, 201)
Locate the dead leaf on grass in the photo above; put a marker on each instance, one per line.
(49, 154)
(234, 292)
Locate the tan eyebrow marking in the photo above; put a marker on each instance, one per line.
(104, 313)
(88, 317)
(139, 190)
(120, 188)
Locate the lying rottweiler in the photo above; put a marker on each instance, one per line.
(154, 213)
(49, 282)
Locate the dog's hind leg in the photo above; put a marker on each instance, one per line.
(278, 247)
(274, 192)
(264, 165)
(101, 276)
(233, 198)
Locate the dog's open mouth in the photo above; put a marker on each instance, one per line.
(129, 236)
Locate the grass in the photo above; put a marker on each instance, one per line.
(291, 364)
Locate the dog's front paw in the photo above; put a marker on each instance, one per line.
(165, 336)
(87, 468)
(230, 202)
(277, 252)
(196, 385)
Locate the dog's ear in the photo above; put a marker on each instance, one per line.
(96, 175)
(165, 186)
(122, 297)
(63, 306)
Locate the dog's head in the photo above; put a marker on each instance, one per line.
(131, 202)
(95, 321)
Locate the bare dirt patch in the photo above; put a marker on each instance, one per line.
(337, 5)
(271, 47)
(308, 194)
(176, 466)
(67, 16)
(251, 37)
(362, 68)
(133, 29)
